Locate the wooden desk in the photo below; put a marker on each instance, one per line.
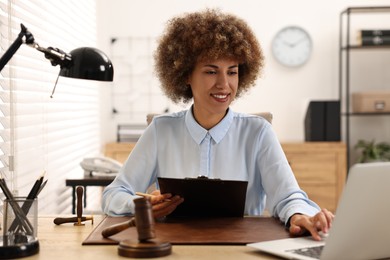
(64, 242)
(86, 181)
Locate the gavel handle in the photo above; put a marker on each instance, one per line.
(114, 229)
(79, 192)
(59, 221)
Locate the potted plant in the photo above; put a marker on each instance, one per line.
(372, 151)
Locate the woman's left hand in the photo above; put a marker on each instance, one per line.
(322, 221)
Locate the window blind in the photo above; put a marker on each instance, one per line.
(38, 133)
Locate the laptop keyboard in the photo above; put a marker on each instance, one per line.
(313, 252)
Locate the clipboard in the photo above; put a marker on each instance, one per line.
(204, 197)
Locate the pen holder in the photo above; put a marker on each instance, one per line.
(20, 226)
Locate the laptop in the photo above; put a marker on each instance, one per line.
(204, 197)
(361, 227)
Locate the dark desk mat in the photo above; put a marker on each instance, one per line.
(201, 231)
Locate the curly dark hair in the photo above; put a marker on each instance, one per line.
(200, 36)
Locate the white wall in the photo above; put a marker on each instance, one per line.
(283, 91)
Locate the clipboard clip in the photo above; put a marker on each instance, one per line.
(202, 177)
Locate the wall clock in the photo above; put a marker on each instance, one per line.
(292, 46)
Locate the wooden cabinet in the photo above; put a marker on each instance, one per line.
(118, 151)
(320, 168)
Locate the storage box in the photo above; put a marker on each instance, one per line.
(371, 102)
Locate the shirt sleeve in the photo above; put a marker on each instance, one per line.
(284, 196)
(137, 174)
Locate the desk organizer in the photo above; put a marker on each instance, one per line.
(20, 223)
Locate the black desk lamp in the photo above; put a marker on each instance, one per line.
(81, 63)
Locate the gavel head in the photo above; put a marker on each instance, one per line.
(144, 220)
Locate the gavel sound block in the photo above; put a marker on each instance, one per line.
(146, 246)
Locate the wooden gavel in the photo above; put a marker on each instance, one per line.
(79, 211)
(147, 246)
(143, 221)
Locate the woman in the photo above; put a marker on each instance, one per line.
(211, 59)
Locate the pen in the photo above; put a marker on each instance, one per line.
(42, 186)
(147, 195)
(34, 190)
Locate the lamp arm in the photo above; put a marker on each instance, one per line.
(55, 55)
(15, 45)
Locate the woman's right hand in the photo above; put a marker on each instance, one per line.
(164, 204)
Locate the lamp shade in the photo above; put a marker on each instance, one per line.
(88, 63)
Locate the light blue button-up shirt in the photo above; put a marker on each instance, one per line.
(240, 147)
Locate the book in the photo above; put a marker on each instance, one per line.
(375, 32)
(374, 40)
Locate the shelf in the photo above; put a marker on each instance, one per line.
(359, 47)
(366, 114)
(367, 9)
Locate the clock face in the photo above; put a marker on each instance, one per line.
(292, 46)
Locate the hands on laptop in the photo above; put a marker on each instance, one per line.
(322, 221)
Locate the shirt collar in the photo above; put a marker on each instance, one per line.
(217, 133)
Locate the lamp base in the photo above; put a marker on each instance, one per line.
(11, 250)
(147, 249)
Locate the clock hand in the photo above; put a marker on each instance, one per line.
(287, 43)
(297, 42)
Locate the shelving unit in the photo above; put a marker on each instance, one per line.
(348, 48)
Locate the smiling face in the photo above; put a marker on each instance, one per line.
(214, 86)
